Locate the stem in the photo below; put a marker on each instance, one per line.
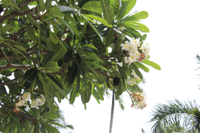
(112, 111)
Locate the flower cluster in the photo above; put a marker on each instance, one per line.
(34, 103)
(138, 100)
(133, 79)
(134, 51)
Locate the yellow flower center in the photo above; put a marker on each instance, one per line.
(134, 41)
(131, 57)
(125, 45)
(25, 95)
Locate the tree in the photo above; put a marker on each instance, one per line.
(176, 116)
(61, 49)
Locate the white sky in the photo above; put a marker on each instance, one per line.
(174, 38)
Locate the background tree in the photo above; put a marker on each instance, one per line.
(65, 49)
(176, 116)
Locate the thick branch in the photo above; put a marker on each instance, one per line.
(10, 81)
(30, 118)
(4, 67)
(25, 3)
(15, 14)
(112, 111)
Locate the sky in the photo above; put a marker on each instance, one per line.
(174, 38)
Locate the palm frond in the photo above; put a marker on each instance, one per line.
(175, 115)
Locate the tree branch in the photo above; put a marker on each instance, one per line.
(15, 14)
(4, 67)
(25, 3)
(30, 118)
(112, 111)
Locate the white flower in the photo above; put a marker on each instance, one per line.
(26, 96)
(135, 75)
(130, 81)
(145, 48)
(112, 45)
(120, 64)
(137, 54)
(125, 46)
(39, 101)
(132, 57)
(140, 105)
(21, 103)
(123, 36)
(121, 28)
(136, 42)
(43, 98)
(131, 48)
(127, 61)
(34, 104)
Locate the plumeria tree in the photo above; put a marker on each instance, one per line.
(57, 49)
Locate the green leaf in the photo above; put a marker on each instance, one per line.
(11, 3)
(30, 75)
(107, 11)
(57, 86)
(41, 5)
(143, 67)
(67, 9)
(71, 28)
(152, 64)
(98, 33)
(97, 65)
(138, 26)
(116, 81)
(47, 93)
(93, 56)
(72, 96)
(60, 51)
(110, 36)
(55, 12)
(89, 46)
(51, 66)
(50, 45)
(135, 68)
(47, 57)
(143, 37)
(44, 30)
(20, 47)
(130, 6)
(94, 6)
(91, 69)
(101, 20)
(7, 27)
(68, 56)
(31, 32)
(137, 16)
(72, 72)
(80, 65)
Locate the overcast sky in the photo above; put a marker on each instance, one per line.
(174, 38)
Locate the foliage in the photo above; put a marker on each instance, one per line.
(176, 116)
(61, 49)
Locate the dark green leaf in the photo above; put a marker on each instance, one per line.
(68, 56)
(44, 30)
(116, 81)
(30, 75)
(72, 72)
(72, 96)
